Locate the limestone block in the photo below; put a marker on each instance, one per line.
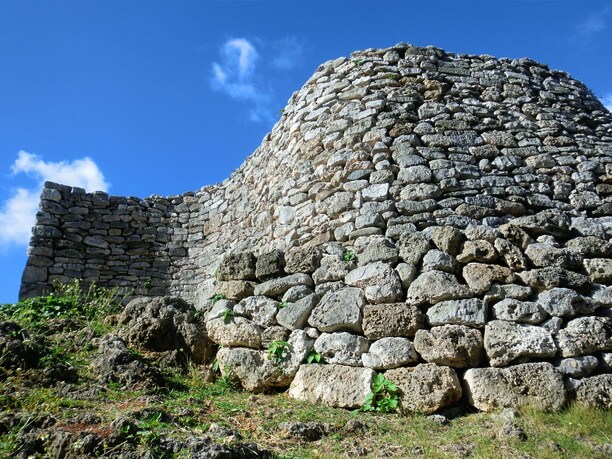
(389, 353)
(333, 268)
(531, 384)
(507, 342)
(295, 315)
(380, 282)
(599, 270)
(470, 312)
(235, 332)
(302, 260)
(544, 256)
(511, 254)
(436, 260)
(379, 249)
(479, 251)
(456, 346)
(563, 302)
(339, 310)
(578, 367)
(547, 278)
(393, 319)
(269, 265)
(596, 392)
(447, 238)
(342, 348)
(237, 266)
(426, 388)
(481, 276)
(235, 289)
(332, 385)
(412, 247)
(277, 287)
(435, 286)
(527, 312)
(585, 335)
(261, 310)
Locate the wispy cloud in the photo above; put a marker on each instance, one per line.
(594, 24)
(17, 213)
(607, 101)
(247, 74)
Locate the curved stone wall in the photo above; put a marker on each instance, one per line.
(414, 211)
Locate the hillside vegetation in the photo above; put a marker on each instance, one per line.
(72, 387)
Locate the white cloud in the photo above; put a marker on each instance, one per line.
(288, 53)
(592, 25)
(607, 101)
(18, 212)
(247, 76)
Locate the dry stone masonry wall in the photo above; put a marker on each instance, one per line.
(445, 219)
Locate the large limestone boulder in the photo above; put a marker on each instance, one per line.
(277, 287)
(455, 346)
(332, 385)
(426, 388)
(379, 280)
(393, 319)
(514, 310)
(596, 392)
(237, 266)
(506, 342)
(563, 302)
(585, 335)
(339, 310)
(480, 276)
(257, 370)
(529, 384)
(165, 324)
(391, 352)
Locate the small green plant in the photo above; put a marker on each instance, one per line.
(283, 304)
(392, 76)
(216, 297)
(384, 397)
(314, 357)
(277, 350)
(227, 315)
(148, 284)
(358, 62)
(348, 255)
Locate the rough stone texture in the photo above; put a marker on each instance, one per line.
(435, 286)
(379, 281)
(260, 310)
(578, 367)
(332, 385)
(342, 348)
(394, 319)
(295, 315)
(507, 342)
(519, 311)
(585, 335)
(426, 388)
(339, 310)
(471, 312)
(449, 178)
(530, 384)
(389, 353)
(235, 331)
(165, 324)
(596, 392)
(455, 346)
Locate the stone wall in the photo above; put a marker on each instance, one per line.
(466, 197)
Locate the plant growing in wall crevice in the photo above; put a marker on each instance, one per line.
(384, 397)
(348, 255)
(314, 357)
(278, 350)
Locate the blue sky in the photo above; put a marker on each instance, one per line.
(141, 97)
